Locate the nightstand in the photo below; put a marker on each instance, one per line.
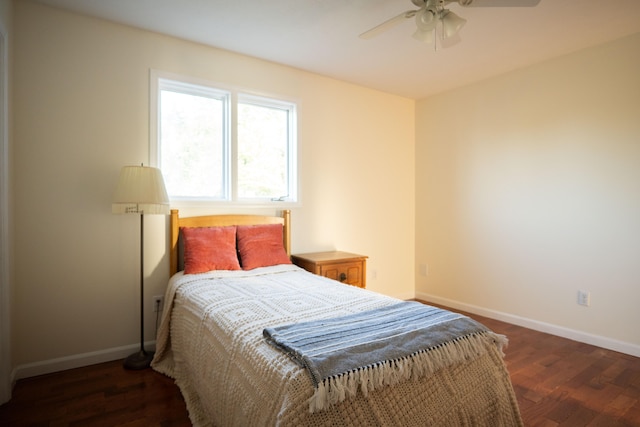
(342, 266)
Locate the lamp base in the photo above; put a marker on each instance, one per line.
(139, 360)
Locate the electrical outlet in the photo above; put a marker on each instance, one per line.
(158, 302)
(584, 298)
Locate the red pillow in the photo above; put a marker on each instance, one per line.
(261, 246)
(209, 248)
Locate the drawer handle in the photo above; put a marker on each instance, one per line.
(343, 277)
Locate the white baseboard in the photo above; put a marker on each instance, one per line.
(76, 361)
(572, 334)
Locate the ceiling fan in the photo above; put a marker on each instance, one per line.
(432, 15)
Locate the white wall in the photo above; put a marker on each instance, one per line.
(81, 112)
(528, 189)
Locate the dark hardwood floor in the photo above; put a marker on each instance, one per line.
(98, 395)
(558, 382)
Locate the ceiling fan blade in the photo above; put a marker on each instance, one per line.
(497, 3)
(378, 29)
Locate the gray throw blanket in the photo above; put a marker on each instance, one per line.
(379, 347)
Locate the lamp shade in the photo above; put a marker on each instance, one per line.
(423, 36)
(451, 23)
(426, 20)
(140, 190)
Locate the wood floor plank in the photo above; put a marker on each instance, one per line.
(558, 383)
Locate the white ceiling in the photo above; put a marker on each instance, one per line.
(321, 36)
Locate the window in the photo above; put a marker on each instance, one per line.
(220, 145)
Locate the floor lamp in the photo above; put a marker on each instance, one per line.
(140, 191)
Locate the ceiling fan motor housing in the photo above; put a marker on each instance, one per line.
(438, 4)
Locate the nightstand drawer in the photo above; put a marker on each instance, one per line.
(345, 272)
(341, 266)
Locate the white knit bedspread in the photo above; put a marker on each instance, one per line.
(210, 341)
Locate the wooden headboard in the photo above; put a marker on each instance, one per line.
(222, 220)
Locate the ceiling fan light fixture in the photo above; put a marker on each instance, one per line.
(426, 20)
(451, 23)
(424, 36)
(450, 41)
(431, 17)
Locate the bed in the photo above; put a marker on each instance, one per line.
(221, 325)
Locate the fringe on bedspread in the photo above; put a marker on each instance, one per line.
(337, 388)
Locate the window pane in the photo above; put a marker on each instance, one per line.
(192, 145)
(263, 149)
(206, 156)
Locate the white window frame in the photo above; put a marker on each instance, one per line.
(161, 80)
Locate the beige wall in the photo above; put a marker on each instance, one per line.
(528, 189)
(81, 112)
